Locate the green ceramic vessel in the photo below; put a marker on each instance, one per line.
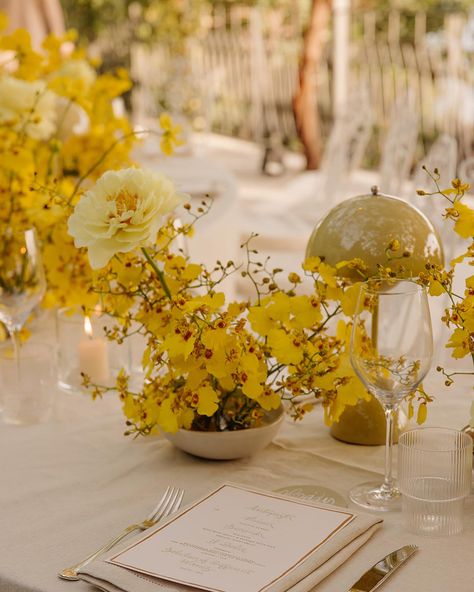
(363, 226)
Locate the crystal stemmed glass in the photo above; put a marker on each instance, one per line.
(22, 281)
(391, 350)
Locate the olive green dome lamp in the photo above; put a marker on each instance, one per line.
(362, 227)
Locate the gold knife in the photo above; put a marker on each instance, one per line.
(376, 575)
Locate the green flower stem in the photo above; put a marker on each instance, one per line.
(158, 272)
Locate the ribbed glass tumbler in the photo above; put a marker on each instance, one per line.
(434, 477)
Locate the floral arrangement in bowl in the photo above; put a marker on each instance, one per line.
(212, 365)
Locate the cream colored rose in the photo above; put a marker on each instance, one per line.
(122, 211)
(28, 106)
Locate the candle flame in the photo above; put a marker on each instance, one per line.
(88, 326)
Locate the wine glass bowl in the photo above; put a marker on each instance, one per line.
(22, 279)
(391, 350)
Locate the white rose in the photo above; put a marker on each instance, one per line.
(122, 211)
(29, 106)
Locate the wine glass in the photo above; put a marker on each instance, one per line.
(22, 281)
(391, 350)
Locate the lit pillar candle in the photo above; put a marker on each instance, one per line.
(93, 356)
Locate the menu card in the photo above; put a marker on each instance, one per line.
(235, 539)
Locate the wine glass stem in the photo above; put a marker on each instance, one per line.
(388, 483)
(15, 337)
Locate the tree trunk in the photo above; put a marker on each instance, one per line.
(305, 100)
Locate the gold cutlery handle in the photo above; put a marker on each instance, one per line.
(168, 504)
(70, 573)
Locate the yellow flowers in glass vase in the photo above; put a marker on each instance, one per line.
(59, 132)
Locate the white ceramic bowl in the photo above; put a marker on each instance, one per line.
(228, 445)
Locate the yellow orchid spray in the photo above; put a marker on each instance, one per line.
(460, 314)
(211, 364)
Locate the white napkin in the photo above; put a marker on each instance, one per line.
(303, 578)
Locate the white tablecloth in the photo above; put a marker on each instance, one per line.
(70, 484)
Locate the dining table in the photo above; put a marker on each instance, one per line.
(71, 483)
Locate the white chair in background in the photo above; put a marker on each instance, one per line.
(343, 154)
(397, 154)
(466, 172)
(286, 221)
(399, 148)
(441, 156)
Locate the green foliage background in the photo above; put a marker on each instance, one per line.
(145, 20)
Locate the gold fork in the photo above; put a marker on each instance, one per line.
(168, 504)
